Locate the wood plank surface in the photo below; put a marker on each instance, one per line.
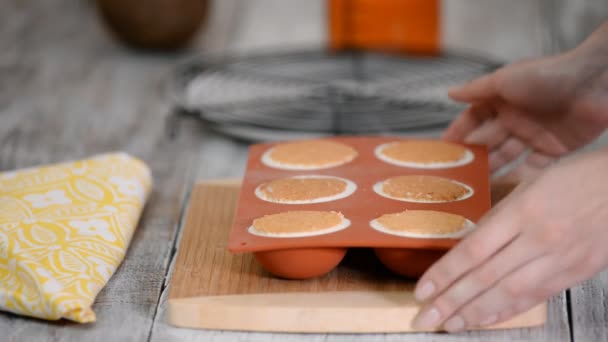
(590, 309)
(212, 288)
(572, 22)
(68, 90)
(556, 328)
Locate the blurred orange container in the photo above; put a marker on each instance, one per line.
(411, 26)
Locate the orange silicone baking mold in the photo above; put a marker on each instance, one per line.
(362, 206)
(279, 255)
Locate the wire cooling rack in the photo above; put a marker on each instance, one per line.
(314, 92)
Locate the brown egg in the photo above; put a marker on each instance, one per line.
(301, 263)
(408, 262)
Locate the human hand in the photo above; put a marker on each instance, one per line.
(546, 236)
(549, 106)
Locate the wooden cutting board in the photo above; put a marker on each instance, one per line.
(214, 289)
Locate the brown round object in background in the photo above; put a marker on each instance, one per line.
(301, 263)
(422, 188)
(408, 262)
(424, 154)
(305, 189)
(309, 155)
(423, 224)
(299, 223)
(154, 24)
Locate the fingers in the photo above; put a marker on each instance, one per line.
(539, 160)
(478, 90)
(461, 127)
(516, 254)
(490, 133)
(474, 128)
(516, 293)
(494, 232)
(531, 167)
(531, 131)
(467, 122)
(527, 271)
(508, 151)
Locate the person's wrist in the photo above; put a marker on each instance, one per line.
(588, 66)
(596, 44)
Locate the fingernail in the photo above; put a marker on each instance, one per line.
(424, 291)
(489, 320)
(454, 324)
(428, 319)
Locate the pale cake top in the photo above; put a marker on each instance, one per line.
(297, 222)
(302, 189)
(424, 151)
(423, 222)
(313, 153)
(424, 188)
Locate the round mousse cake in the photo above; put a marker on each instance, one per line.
(299, 224)
(423, 224)
(423, 189)
(430, 154)
(305, 189)
(309, 155)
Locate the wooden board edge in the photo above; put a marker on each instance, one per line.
(326, 312)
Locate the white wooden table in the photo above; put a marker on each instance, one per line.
(68, 90)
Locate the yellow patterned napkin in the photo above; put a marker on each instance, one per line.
(64, 229)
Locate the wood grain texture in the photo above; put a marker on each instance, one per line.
(212, 288)
(556, 328)
(67, 90)
(572, 22)
(590, 309)
(210, 270)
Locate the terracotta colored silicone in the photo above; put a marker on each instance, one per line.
(363, 206)
(300, 263)
(408, 262)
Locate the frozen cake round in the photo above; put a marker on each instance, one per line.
(299, 224)
(423, 224)
(423, 189)
(430, 154)
(309, 155)
(305, 189)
